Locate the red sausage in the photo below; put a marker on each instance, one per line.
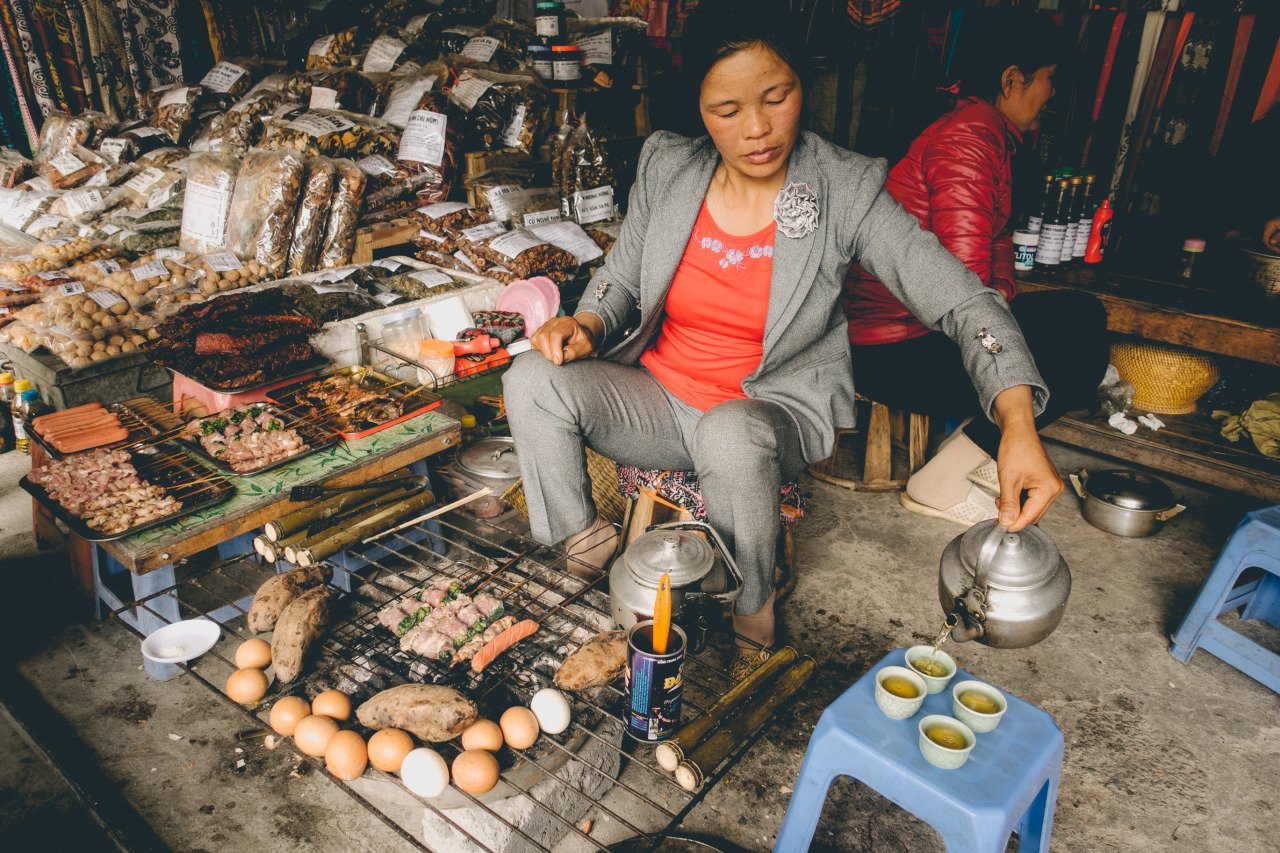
(87, 440)
(499, 644)
(67, 414)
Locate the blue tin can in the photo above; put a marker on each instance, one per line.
(655, 683)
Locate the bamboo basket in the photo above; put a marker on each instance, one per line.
(1166, 380)
(604, 489)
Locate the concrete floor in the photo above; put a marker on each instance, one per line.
(1159, 756)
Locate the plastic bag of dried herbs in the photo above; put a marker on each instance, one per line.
(404, 90)
(240, 127)
(331, 133)
(175, 112)
(211, 182)
(586, 180)
(344, 214)
(61, 133)
(327, 51)
(502, 110)
(260, 222)
(313, 213)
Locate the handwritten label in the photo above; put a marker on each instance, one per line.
(323, 98)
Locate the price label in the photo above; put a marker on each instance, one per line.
(442, 208)
(570, 237)
(75, 288)
(67, 164)
(481, 48)
(176, 95)
(105, 298)
(404, 97)
(431, 278)
(222, 77)
(223, 262)
(593, 205)
(383, 53)
(323, 98)
(423, 139)
(151, 269)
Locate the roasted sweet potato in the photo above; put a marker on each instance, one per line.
(272, 596)
(431, 712)
(303, 621)
(599, 661)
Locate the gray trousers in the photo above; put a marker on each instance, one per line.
(742, 450)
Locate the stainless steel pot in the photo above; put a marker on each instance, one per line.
(693, 557)
(1124, 502)
(1263, 267)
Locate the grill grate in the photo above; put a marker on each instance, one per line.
(359, 656)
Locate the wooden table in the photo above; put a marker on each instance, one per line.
(152, 557)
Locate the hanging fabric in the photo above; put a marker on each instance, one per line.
(151, 26)
(109, 64)
(20, 15)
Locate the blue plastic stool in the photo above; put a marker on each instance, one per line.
(1010, 780)
(1254, 544)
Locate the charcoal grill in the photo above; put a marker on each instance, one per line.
(545, 790)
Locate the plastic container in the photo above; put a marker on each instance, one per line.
(1192, 248)
(437, 356)
(540, 59)
(402, 332)
(566, 64)
(548, 21)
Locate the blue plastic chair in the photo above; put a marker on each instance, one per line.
(1010, 781)
(1254, 544)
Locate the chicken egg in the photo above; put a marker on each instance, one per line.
(253, 654)
(519, 727)
(551, 709)
(314, 733)
(247, 686)
(333, 704)
(286, 714)
(476, 771)
(424, 773)
(387, 749)
(482, 734)
(346, 756)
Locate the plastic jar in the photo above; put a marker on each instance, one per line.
(566, 64)
(548, 21)
(1192, 248)
(402, 332)
(437, 356)
(540, 59)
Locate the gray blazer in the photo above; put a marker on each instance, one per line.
(806, 365)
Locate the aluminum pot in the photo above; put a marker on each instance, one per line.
(1263, 267)
(1124, 502)
(690, 553)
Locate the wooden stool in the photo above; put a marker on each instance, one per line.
(650, 507)
(891, 437)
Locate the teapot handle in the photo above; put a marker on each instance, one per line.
(707, 530)
(987, 552)
(1078, 480)
(1167, 514)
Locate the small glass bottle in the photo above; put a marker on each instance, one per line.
(21, 442)
(7, 438)
(548, 22)
(1192, 248)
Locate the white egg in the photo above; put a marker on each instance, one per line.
(551, 709)
(425, 773)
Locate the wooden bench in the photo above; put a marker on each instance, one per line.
(1189, 446)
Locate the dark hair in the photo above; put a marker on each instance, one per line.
(991, 40)
(717, 29)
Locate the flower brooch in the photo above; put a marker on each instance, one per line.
(795, 210)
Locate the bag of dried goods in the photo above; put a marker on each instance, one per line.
(523, 252)
(143, 282)
(211, 182)
(231, 76)
(487, 190)
(61, 133)
(62, 251)
(148, 187)
(327, 51)
(342, 89)
(344, 213)
(331, 133)
(586, 181)
(313, 213)
(13, 167)
(73, 167)
(260, 222)
(502, 110)
(240, 127)
(175, 112)
(223, 271)
(500, 44)
(393, 50)
(404, 90)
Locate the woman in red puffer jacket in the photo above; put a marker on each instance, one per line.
(956, 180)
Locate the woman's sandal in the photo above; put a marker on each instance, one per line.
(747, 661)
(986, 475)
(978, 506)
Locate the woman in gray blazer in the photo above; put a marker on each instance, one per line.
(755, 173)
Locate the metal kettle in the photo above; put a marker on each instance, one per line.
(690, 553)
(1005, 590)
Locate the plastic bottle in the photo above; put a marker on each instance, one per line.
(1100, 233)
(1192, 248)
(21, 441)
(8, 440)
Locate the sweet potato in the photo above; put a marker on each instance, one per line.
(431, 712)
(278, 591)
(599, 661)
(300, 624)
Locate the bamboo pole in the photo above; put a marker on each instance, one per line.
(341, 502)
(331, 542)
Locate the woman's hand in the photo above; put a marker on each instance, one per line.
(1023, 464)
(1271, 234)
(566, 339)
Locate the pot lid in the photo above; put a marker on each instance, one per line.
(1130, 490)
(491, 457)
(684, 555)
(1024, 559)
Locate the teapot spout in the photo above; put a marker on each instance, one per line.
(964, 627)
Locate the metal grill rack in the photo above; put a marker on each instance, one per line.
(592, 767)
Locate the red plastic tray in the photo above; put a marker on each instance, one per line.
(284, 395)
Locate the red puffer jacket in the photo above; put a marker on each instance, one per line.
(956, 180)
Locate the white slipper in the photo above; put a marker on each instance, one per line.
(986, 475)
(978, 506)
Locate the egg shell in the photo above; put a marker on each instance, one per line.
(255, 654)
(552, 710)
(286, 714)
(313, 734)
(346, 755)
(247, 686)
(388, 748)
(519, 727)
(333, 704)
(425, 773)
(476, 771)
(482, 734)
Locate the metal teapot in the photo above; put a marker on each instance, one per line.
(694, 558)
(1005, 590)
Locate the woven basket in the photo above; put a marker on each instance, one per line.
(604, 489)
(1166, 380)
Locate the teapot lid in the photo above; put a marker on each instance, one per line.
(1024, 559)
(684, 555)
(1130, 490)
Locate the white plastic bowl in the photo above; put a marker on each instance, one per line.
(181, 641)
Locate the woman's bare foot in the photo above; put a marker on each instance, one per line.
(591, 550)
